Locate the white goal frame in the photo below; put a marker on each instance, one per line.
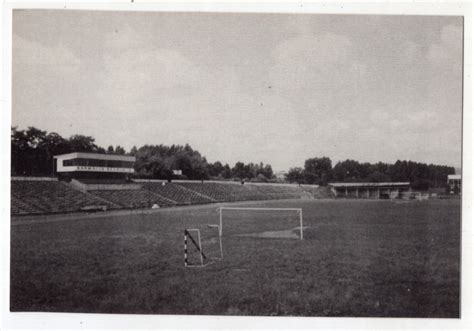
(298, 210)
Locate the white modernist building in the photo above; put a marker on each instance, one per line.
(94, 162)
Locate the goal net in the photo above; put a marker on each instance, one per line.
(283, 223)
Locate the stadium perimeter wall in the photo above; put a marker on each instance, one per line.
(229, 182)
(104, 187)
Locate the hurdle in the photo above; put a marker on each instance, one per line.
(196, 244)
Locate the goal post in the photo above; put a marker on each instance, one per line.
(299, 212)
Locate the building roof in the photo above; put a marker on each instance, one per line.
(391, 184)
(454, 176)
(96, 156)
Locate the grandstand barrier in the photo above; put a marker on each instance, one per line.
(35, 179)
(94, 208)
(104, 187)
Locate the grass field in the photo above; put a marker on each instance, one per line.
(358, 258)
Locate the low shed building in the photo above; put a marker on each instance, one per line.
(388, 190)
(454, 184)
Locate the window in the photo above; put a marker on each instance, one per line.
(98, 163)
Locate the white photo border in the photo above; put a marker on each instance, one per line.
(103, 321)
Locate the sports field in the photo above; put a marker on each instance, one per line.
(358, 258)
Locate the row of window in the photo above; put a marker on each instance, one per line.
(98, 163)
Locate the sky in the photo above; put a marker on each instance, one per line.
(271, 88)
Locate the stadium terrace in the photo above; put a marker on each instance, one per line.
(85, 182)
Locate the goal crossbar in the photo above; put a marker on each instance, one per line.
(299, 210)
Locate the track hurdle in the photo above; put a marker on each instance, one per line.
(196, 244)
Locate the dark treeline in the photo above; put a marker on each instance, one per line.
(159, 161)
(420, 175)
(33, 151)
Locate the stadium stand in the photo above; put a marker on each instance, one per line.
(104, 181)
(97, 181)
(215, 191)
(18, 207)
(132, 198)
(50, 196)
(176, 193)
(228, 191)
(225, 191)
(280, 191)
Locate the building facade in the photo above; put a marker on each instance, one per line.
(90, 165)
(370, 190)
(454, 184)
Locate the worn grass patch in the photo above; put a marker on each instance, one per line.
(359, 258)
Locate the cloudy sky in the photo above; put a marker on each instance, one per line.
(275, 88)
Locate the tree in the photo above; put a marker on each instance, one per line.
(347, 171)
(364, 170)
(227, 172)
(80, 143)
(30, 152)
(215, 169)
(378, 177)
(250, 171)
(318, 170)
(239, 171)
(295, 175)
(119, 150)
(53, 144)
(110, 149)
(265, 171)
(159, 161)
(149, 163)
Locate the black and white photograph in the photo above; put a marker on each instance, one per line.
(236, 163)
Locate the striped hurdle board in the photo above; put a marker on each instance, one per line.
(197, 245)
